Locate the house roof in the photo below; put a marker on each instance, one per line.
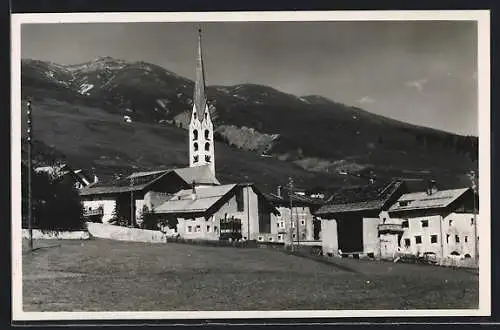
(199, 174)
(360, 198)
(140, 180)
(182, 202)
(206, 198)
(423, 201)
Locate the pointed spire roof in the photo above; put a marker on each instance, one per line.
(200, 99)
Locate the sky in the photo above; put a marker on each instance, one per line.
(421, 72)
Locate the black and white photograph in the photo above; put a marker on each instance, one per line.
(220, 165)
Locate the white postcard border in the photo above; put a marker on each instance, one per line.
(483, 77)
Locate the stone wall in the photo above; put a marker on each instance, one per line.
(55, 234)
(120, 233)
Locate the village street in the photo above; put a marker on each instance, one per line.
(105, 275)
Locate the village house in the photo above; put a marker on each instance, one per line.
(231, 211)
(80, 178)
(103, 202)
(284, 224)
(351, 217)
(441, 223)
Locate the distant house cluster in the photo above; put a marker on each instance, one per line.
(389, 221)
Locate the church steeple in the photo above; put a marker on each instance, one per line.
(201, 129)
(200, 99)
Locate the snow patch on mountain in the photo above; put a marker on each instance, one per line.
(85, 88)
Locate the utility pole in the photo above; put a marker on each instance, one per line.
(131, 202)
(30, 165)
(290, 192)
(473, 181)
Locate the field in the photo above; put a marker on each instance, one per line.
(102, 275)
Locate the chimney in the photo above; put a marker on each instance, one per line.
(432, 187)
(193, 192)
(279, 192)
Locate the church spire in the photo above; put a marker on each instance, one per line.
(200, 99)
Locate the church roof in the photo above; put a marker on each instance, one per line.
(200, 99)
(199, 174)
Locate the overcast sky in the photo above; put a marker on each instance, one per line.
(421, 72)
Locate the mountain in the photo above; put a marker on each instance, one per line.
(264, 135)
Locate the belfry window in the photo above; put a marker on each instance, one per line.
(195, 145)
(207, 146)
(207, 133)
(208, 158)
(195, 134)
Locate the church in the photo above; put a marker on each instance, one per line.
(185, 202)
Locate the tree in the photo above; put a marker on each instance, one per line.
(56, 203)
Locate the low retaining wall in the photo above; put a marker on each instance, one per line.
(120, 233)
(56, 234)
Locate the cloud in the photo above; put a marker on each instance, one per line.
(365, 100)
(418, 84)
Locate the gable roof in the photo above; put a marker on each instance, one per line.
(199, 174)
(361, 198)
(424, 201)
(182, 202)
(139, 181)
(206, 198)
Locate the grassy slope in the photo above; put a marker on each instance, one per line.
(92, 137)
(102, 275)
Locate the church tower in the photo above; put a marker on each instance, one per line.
(201, 129)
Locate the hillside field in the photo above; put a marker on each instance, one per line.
(102, 275)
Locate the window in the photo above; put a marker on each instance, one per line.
(207, 146)
(216, 230)
(418, 239)
(280, 237)
(208, 229)
(208, 158)
(457, 239)
(383, 220)
(278, 224)
(282, 225)
(466, 239)
(270, 239)
(195, 159)
(195, 135)
(303, 236)
(434, 238)
(450, 223)
(195, 145)
(404, 224)
(407, 242)
(294, 235)
(471, 221)
(190, 229)
(403, 203)
(425, 223)
(207, 133)
(302, 222)
(447, 238)
(260, 238)
(239, 199)
(198, 229)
